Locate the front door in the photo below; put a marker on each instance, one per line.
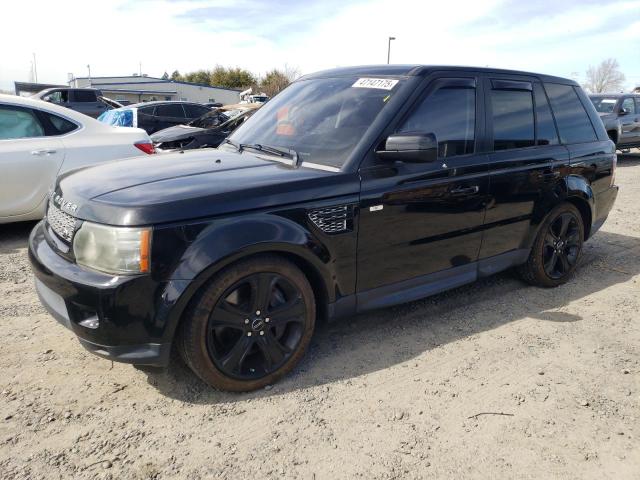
(420, 223)
(629, 123)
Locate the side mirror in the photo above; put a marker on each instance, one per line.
(624, 111)
(410, 147)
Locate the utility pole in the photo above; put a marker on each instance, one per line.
(35, 68)
(89, 68)
(140, 65)
(389, 49)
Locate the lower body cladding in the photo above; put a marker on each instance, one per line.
(112, 317)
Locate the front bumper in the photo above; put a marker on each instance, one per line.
(123, 307)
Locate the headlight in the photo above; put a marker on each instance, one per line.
(116, 250)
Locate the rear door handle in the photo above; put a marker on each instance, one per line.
(43, 152)
(465, 190)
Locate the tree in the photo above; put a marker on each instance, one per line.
(606, 77)
(277, 80)
(165, 76)
(199, 76)
(176, 75)
(231, 77)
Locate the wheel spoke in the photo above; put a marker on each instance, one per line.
(274, 352)
(550, 264)
(564, 261)
(232, 361)
(550, 239)
(261, 291)
(564, 226)
(292, 311)
(573, 238)
(228, 315)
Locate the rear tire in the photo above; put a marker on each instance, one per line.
(250, 325)
(557, 248)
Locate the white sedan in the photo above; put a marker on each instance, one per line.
(39, 140)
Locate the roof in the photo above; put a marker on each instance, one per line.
(615, 95)
(153, 80)
(32, 102)
(161, 102)
(423, 70)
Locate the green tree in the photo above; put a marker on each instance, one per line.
(165, 76)
(277, 80)
(176, 75)
(232, 77)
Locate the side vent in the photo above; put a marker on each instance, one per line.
(333, 220)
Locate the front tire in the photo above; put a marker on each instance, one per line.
(557, 248)
(250, 325)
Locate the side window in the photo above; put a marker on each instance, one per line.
(449, 113)
(546, 133)
(84, 96)
(57, 96)
(18, 122)
(573, 121)
(146, 110)
(513, 121)
(170, 110)
(628, 105)
(60, 125)
(195, 111)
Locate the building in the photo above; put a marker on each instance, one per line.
(143, 88)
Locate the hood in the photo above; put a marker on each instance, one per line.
(177, 132)
(194, 184)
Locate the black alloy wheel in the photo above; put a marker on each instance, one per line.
(250, 325)
(562, 245)
(256, 326)
(556, 250)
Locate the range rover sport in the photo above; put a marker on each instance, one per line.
(353, 189)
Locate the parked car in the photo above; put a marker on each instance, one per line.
(154, 116)
(213, 104)
(40, 140)
(84, 100)
(620, 114)
(204, 132)
(352, 189)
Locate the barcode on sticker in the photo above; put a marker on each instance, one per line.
(381, 83)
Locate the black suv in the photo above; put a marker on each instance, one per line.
(620, 114)
(353, 189)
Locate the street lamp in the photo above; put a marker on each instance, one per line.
(389, 49)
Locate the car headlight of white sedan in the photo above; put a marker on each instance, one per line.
(114, 250)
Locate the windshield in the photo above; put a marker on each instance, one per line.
(604, 104)
(210, 119)
(322, 119)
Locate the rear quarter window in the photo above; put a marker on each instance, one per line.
(573, 121)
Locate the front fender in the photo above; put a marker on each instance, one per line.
(213, 245)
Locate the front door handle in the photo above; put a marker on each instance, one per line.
(43, 152)
(465, 190)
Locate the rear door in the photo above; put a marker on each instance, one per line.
(525, 162)
(168, 115)
(29, 160)
(194, 111)
(418, 219)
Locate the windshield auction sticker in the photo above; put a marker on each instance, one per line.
(381, 83)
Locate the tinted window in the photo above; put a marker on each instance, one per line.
(195, 111)
(450, 113)
(169, 110)
(512, 119)
(546, 133)
(16, 122)
(146, 110)
(57, 96)
(84, 96)
(60, 124)
(628, 105)
(573, 122)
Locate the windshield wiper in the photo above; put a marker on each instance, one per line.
(280, 152)
(238, 146)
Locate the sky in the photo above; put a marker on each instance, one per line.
(547, 36)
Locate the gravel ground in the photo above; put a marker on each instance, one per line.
(397, 393)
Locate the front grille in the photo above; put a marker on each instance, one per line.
(61, 222)
(332, 219)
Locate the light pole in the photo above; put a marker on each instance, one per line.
(389, 49)
(89, 68)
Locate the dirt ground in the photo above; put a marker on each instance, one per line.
(397, 393)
